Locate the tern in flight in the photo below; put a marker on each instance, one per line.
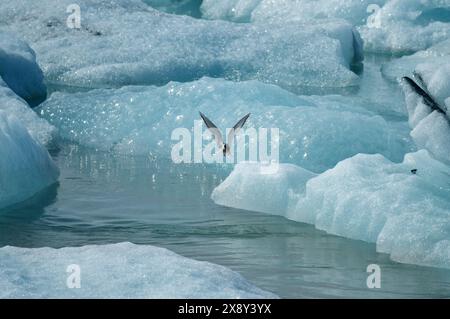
(225, 147)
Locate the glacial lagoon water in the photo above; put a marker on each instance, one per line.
(103, 198)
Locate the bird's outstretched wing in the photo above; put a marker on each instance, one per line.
(235, 130)
(213, 129)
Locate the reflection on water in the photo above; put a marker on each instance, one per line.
(104, 198)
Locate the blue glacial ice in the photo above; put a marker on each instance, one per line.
(121, 270)
(18, 68)
(21, 79)
(315, 132)
(128, 42)
(366, 197)
(25, 165)
(13, 105)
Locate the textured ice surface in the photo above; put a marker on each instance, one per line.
(127, 42)
(355, 11)
(430, 128)
(315, 132)
(121, 270)
(25, 165)
(19, 69)
(403, 26)
(366, 197)
(11, 104)
(398, 26)
(437, 54)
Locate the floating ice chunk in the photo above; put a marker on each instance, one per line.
(365, 197)
(354, 11)
(121, 270)
(128, 43)
(372, 199)
(274, 193)
(315, 132)
(11, 104)
(19, 69)
(25, 165)
(405, 26)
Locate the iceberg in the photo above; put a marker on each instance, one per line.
(315, 132)
(407, 26)
(122, 270)
(18, 68)
(25, 165)
(366, 197)
(129, 43)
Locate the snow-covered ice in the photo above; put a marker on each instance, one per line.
(121, 270)
(19, 69)
(25, 165)
(127, 42)
(366, 197)
(315, 132)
